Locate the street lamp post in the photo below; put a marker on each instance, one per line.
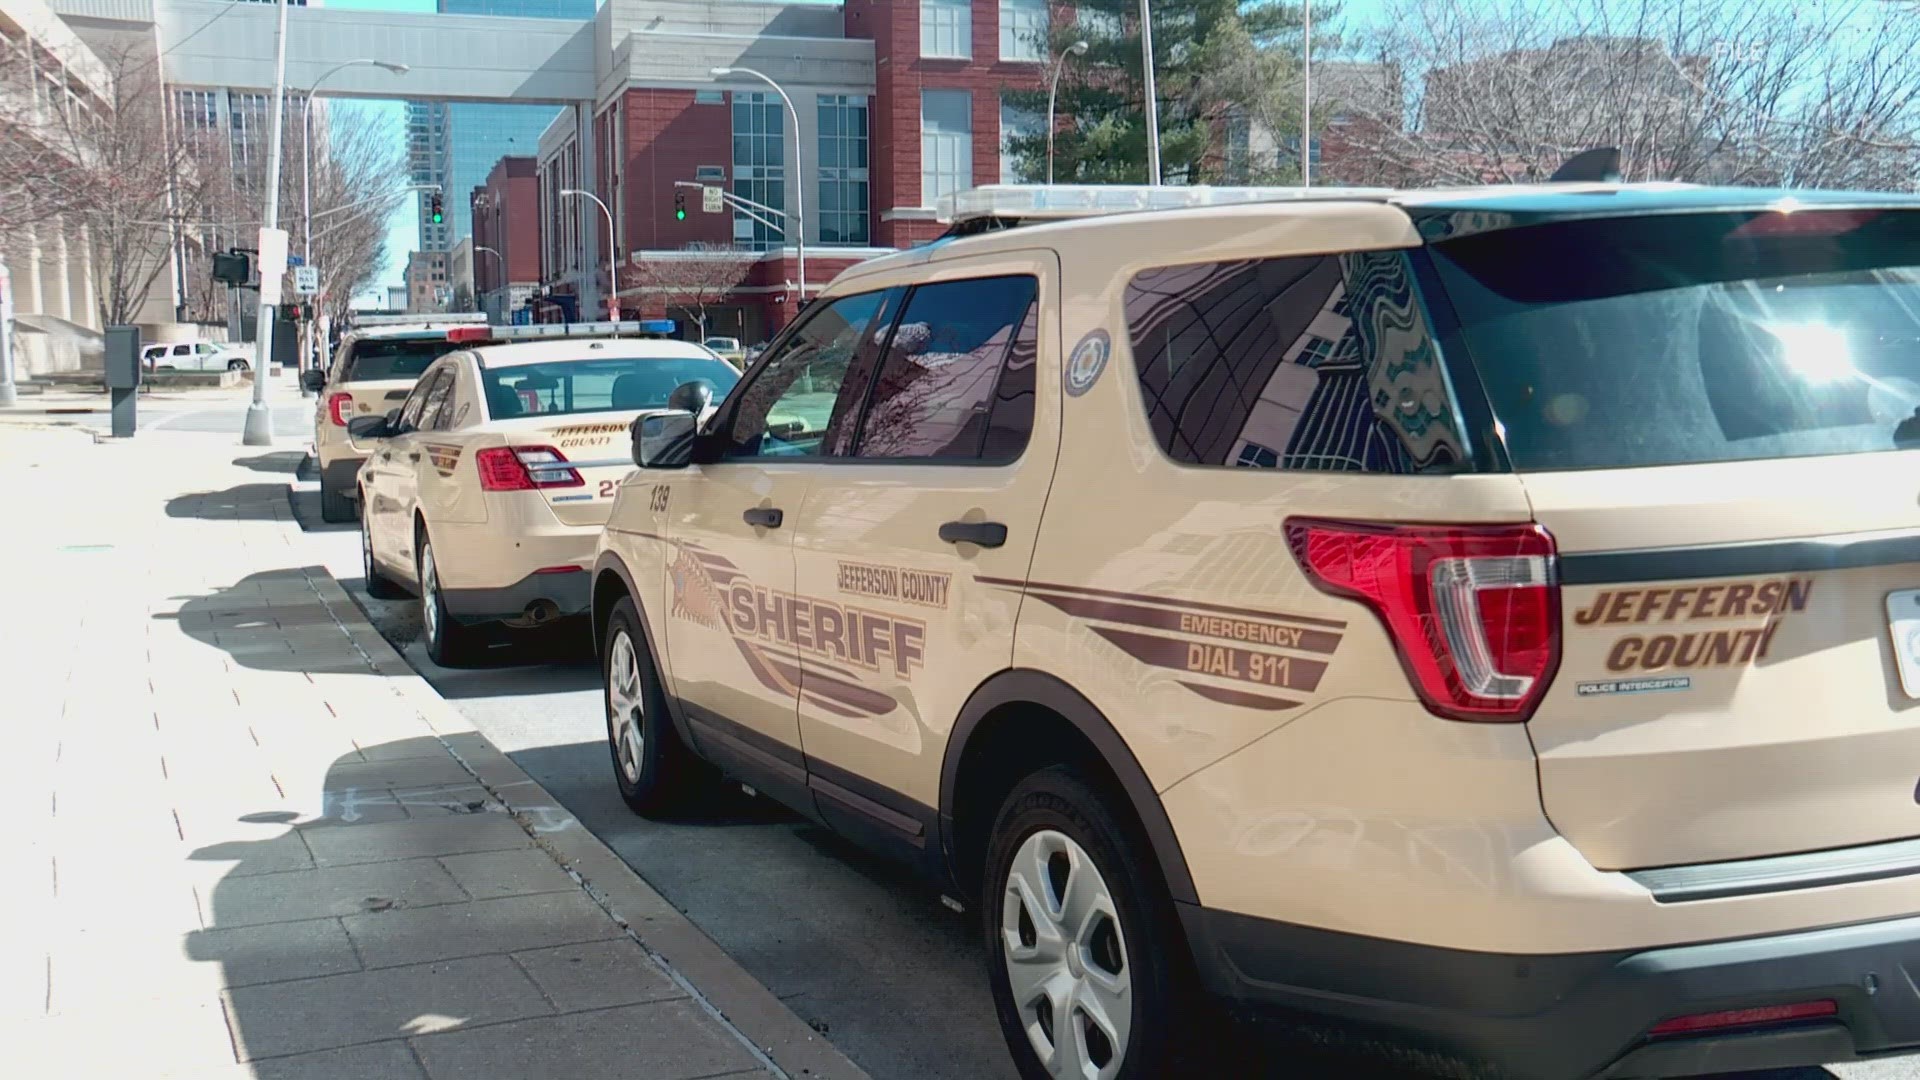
(1153, 103)
(478, 248)
(1306, 96)
(1078, 48)
(258, 429)
(799, 218)
(613, 249)
(306, 157)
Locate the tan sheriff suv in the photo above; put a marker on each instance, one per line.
(1481, 625)
(374, 370)
(488, 485)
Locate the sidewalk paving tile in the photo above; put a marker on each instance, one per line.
(390, 1060)
(675, 1040)
(598, 975)
(276, 952)
(337, 890)
(455, 835)
(493, 874)
(416, 936)
(373, 1006)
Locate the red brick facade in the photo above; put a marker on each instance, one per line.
(506, 218)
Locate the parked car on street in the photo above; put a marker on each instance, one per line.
(728, 349)
(373, 370)
(1481, 625)
(494, 477)
(195, 356)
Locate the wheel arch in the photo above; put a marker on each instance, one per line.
(611, 581)
(1021, 691)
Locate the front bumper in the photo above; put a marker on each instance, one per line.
(570, 593)
(1571, 1016)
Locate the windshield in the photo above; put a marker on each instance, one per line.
(376, 359)
(565, 387)
(1711, 337)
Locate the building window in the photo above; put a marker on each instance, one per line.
(1023, 29)
(843, 169)
(946, 143)
(759, 165)
(1017, 123)
(709, 97)
(946, 28)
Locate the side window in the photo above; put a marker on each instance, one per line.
(183, 350)
(416, 402)
(438, 395)
(957, 380)
(802, 396)
(204, 349)
(1317, 363)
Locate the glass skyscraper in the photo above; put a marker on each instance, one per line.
(478, 135)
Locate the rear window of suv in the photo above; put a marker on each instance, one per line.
(377, 359)
(1694, 338)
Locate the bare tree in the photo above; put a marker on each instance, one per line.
(39, 180)
(694, 280)
(1727, 91)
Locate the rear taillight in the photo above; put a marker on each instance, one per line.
(1474, 611)
(337, 406)
(524, 468)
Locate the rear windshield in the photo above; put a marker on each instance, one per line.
(375, 359)
(562, 387)
(1696, 338)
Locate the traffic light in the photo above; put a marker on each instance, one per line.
(433, 210)
(679, 206)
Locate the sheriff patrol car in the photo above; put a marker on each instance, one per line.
(486, 489)
(1483, 624)
(375, 368)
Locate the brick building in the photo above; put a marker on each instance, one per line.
(506, 237)
(898, 102)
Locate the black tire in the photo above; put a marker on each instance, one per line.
(665, 775)
(236, 365)
(1149, 944)
(450, 643)
(379, 585)
(336, 506)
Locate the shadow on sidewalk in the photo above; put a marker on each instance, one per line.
(276, 461)
(271, 620)
(245, 502)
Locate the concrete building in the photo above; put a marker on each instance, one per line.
(428, 289)
(429, 161)
(898, 103)
(460, 295)
(506, 237)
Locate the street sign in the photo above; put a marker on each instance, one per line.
(710, 200)
(306, 280)
(273, 265)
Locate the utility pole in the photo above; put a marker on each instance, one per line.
(1306, 97)
(1153, 103)
(259, 426)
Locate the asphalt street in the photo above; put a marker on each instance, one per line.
(857, 948)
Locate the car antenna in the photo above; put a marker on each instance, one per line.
(1600, 164)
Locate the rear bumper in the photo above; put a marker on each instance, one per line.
(570, 593)
(1572, 1016)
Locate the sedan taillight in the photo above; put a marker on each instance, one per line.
(1473, 611)
(525, 468)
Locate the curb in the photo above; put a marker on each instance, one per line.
(772, 1032)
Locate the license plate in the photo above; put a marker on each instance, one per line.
(1903, 620)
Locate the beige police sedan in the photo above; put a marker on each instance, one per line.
(491, 482)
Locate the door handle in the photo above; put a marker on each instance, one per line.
(766, 517)
(990, 534)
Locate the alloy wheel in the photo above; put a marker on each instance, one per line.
(1066, 958)
(429, 593)
(626, 705)
(366, 549)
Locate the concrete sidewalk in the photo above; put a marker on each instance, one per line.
(252, 842)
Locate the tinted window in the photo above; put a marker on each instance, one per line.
(415, 405)
(1322, 362)
(801, 399)
(609, 384)
(437, 395)
(940, 390)
(1713, 337)
(374, 359)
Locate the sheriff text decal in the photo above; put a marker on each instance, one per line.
(1761, 603)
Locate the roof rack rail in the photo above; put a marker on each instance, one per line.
(1000, 206)
(505, 335)
(430, 321)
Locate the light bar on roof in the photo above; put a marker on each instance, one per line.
(430, 322)
(500, 335)
(1060, 202)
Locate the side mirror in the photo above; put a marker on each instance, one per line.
(693, 397)
(372, 427)
(313, 379)
(664, 440)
